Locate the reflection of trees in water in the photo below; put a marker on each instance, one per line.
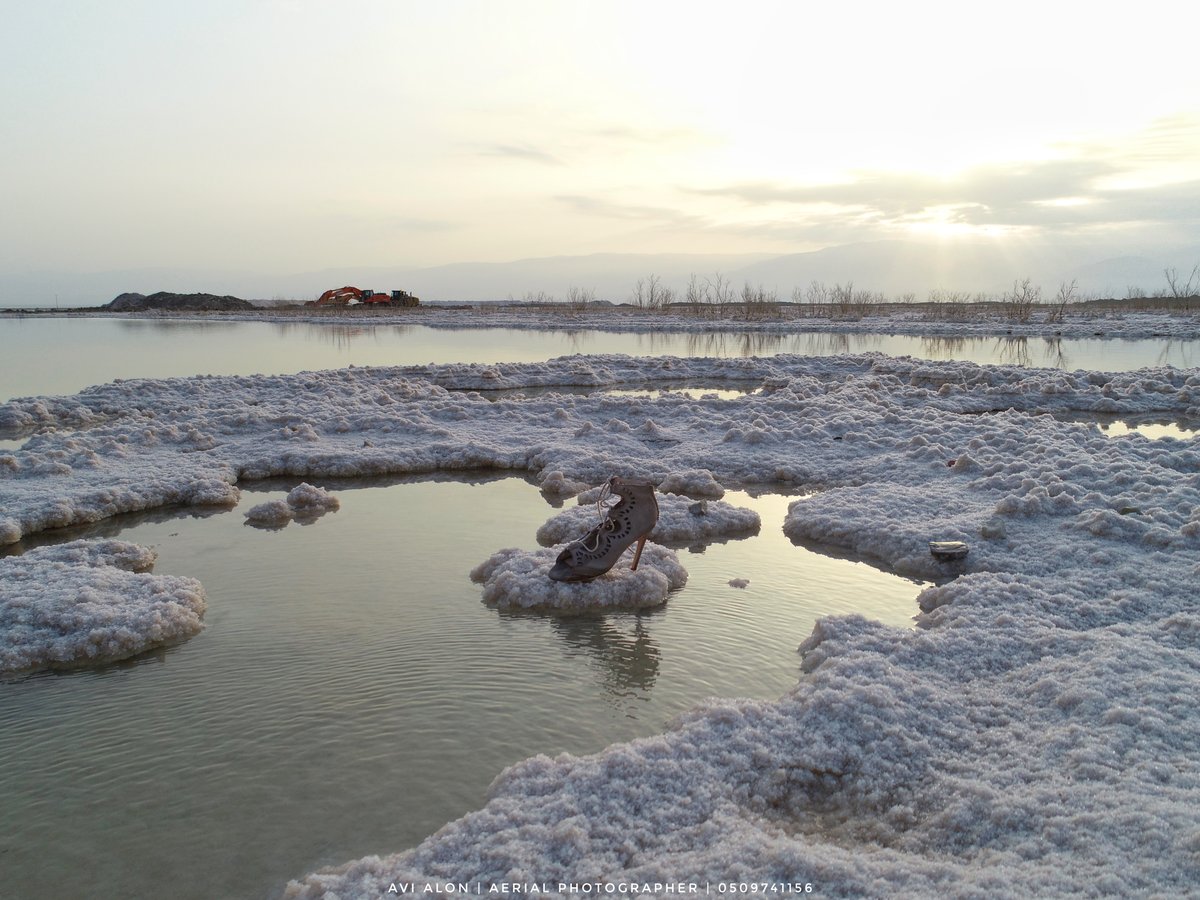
(1055, 353)
(628, 662)
(939, 346)
(820, 344)
(1012, 350)
(341, 337)
(727, 344)
(652, 341)
(578, 339)
(1184, 349)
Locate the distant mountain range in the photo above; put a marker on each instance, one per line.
(894, 267)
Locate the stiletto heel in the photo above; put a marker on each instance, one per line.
(637, 554)
(630, 519)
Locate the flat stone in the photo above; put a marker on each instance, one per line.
(948, 550)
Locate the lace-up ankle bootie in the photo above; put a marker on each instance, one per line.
(631, 519)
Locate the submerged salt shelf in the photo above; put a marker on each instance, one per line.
(343, 664)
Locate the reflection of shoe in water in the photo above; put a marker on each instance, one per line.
(631, 519)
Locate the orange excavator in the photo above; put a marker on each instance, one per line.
(343, 296)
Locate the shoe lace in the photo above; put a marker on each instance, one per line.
(606, 523)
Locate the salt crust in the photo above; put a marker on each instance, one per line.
(304, 502)
(693, 483)
(518, 579)
(90, 602)
(677, 523)
(1035, 736)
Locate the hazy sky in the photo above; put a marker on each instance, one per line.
(285, 135)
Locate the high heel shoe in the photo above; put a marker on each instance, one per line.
(631, 519)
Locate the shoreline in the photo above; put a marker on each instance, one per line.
(1107, 324)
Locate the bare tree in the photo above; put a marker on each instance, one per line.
(653, 298)
(1180, 289)
(1019, 302)
(721, 291)
(817, 296)
(580, 299)
(758, 303)
(1067, 294)
(699, 294)
(948, 305)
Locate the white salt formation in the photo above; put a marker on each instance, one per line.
(558, 485)
(304, 503)
(695, 483)
(90, 602)
(519, 579)
(307, 500)
(272, 514)
(1036, 736)
(680, 521)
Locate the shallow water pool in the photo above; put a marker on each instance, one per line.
(352, 693)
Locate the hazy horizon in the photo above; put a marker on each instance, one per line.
(270, 139)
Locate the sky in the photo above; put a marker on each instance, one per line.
(287, 135)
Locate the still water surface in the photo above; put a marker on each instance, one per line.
(62, 356)
(352, 693)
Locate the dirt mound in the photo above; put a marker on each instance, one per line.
(167, 300)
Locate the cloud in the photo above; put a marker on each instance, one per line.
(1171, 139)
(655, 137)
(377, 221)
(1078, 190)
(525, 153)
(425, 226)
(660, 215)
(895, 194)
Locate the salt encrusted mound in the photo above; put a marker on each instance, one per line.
(694, 483)
(556, 484)
(304, 502)
(680, 521)
(272, 514)
(519, 579)
(90, 602)
(307, 500)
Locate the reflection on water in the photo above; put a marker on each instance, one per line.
(62, 356)
(626, 659)
(1151, 426)
(692, 388)
(352, 668)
